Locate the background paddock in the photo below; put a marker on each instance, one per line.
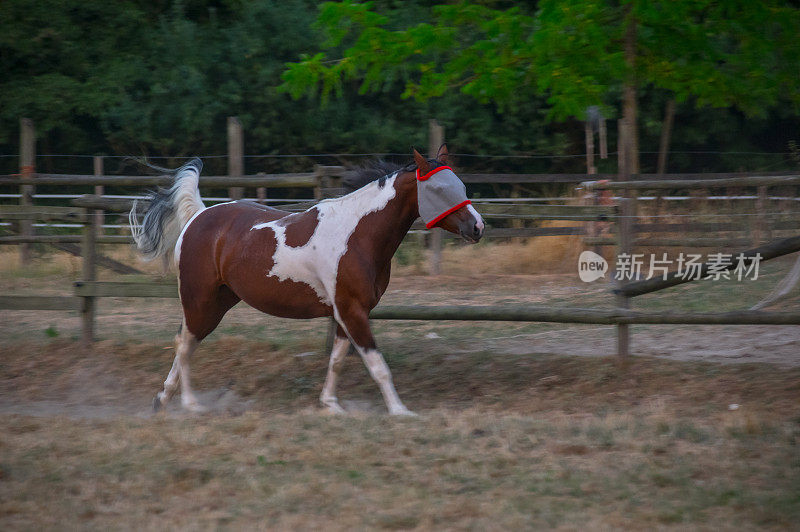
(523, 424)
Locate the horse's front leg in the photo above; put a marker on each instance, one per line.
(355, 322)
(341, 344)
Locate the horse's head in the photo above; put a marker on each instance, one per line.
(442, 198)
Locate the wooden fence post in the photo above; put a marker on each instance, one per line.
(27, 166)
(517, 223)
(591, 169)
(761, 230)
(787, 203)
(435, 140)
(89, 252)
(666, 134)
(99, 217)
(235, 155)
(322, 181)
(601, 137)
(625, 233)
(590, 198)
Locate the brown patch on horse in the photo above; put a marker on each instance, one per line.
(361, 283)
(233, 261)
(271, 212)
(300, 229)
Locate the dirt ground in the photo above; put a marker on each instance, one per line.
(123, 318)
(124, 323)
(522, 426)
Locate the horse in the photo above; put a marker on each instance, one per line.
(333, 259)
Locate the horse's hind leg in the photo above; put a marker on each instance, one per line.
(341, 345)
(171, 382)
(185, 345)
(201, 317)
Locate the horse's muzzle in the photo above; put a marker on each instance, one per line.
(472, 232)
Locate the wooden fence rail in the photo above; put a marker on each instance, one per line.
(40, 303)
(609, 224)
(685, 243)
(312, 179)
(84, 212)
(299, 180)
(488, 210)
(581, 315)
(42, 213)
(746, 181)
(526, 313)
(763, 253)
(63, 239)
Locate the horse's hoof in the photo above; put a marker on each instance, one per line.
(332, 406)
(157, 404)
(334, 409)
(405, 412)
(195, 408)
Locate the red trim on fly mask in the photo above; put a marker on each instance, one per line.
(439, 218)
(429, 174)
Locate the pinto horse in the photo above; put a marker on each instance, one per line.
(332, 260)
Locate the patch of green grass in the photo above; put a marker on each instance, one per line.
(397, 521)
(686, 430)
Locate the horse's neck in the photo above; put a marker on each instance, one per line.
(400, 212)
(388, 224)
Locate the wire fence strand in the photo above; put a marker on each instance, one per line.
(404, 154)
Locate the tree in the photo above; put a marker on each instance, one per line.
(160, 78)
(577, 52)
(53, 62)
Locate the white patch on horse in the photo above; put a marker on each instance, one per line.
(479, 220)
(316, 263)
(380, 373)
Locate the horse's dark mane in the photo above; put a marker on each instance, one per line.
(357, 176)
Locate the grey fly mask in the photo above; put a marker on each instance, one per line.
(440, 195)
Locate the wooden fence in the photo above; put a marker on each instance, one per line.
(610, 220)
(84, 209)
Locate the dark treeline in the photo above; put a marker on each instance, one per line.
(160, 77)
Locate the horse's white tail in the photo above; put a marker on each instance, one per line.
(169, 211)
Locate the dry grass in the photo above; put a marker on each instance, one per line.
(447, 470)
(544, 254)
(502, 443)
(61, 266)
(549, 254)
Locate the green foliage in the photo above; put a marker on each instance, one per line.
(722, 54)
(160, 78)
(480, 50)
(579, 60)
(718, 54)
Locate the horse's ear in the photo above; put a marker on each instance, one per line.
(422, 163)
(442, 155)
